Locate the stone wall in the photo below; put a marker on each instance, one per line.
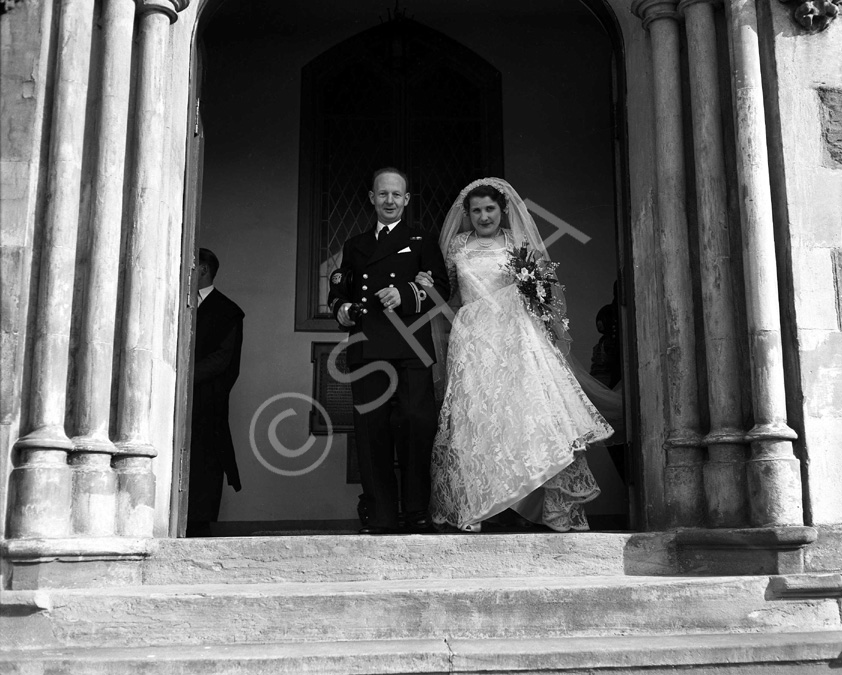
(25, 57)
(806, 110)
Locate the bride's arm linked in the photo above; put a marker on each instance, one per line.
(414, 298)
(450, 263)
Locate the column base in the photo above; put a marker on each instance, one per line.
(684, 484)
(732, 552)
(725, 485)
(83, 562)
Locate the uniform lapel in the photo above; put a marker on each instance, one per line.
(367, 243)
(398, 238)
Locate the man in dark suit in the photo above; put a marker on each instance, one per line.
(219, 340)
(374, 294)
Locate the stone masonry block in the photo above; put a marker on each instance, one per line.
(831, 102)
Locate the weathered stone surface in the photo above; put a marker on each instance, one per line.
(780, 654)
(744, 551)
(316, 558)
(684, 466)
(810, 185)
(831, 102)
(77, 562)
(807, 586)
(826, 554)
(407, 609)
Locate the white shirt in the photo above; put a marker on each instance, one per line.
(391, 227)
(203, 293)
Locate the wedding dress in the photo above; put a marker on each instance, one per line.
(514, 423)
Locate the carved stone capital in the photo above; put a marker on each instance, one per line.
(169, 7)
(684, 4)
(814, 15)
(653, 10)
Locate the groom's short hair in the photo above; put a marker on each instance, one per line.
(390, 169)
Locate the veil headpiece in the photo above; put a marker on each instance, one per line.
(520, 221)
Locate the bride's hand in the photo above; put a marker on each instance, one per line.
(424, 278)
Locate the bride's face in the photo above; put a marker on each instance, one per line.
(485, 216)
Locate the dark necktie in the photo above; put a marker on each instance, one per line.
(383, 233)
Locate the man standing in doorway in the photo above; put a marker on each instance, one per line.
(372, 292)
(219, 340)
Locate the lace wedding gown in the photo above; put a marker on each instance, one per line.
(514, 422)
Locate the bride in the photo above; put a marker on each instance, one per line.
(515, 422)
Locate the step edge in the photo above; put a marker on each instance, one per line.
(674, 649)
(39, 596)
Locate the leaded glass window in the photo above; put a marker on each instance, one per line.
(398, 95)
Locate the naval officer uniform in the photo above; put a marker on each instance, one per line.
(391, 256)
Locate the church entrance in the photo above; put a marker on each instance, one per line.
(295, 106)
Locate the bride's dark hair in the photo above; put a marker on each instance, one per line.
(484, 191)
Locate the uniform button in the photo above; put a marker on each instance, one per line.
(365, 299)
(365, 288)
(365, 311)
(391, 285)
(392, 274)
(365, 276)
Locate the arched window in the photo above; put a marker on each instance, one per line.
(399, 94)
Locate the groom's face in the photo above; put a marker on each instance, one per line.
(389, 197)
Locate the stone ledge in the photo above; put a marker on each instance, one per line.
(773, 653)
(40, 550)
(535, 608)
(766, 550)
(807, 586)
(310, 558)
(78, 562)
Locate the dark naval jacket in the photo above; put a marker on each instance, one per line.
(369, 265)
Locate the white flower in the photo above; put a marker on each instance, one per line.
(525, 275)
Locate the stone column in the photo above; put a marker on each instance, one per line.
(94, 480)
(683, 475)
(133, 463)
(773, 473)
(40, 485)
(724, 470)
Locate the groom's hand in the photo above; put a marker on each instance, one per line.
(342, 315)
(390, 297)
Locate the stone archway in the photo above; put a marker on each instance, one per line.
(82, 485)
(694, 488)
(234, 135)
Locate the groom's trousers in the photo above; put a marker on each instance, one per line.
(376, 440)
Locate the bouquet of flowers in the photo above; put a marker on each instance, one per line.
(535, 278)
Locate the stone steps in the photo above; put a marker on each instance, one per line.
(414, 609)
(358, 558)
(738, 654)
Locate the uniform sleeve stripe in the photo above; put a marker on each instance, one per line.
(417, 297)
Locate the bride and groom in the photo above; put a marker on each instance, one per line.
(514, 420)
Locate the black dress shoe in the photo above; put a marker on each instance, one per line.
(374, 529)
(422, 524)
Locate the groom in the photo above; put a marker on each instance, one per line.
(371, 292)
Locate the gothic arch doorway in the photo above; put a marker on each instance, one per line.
(377, 99)
(563, 136)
